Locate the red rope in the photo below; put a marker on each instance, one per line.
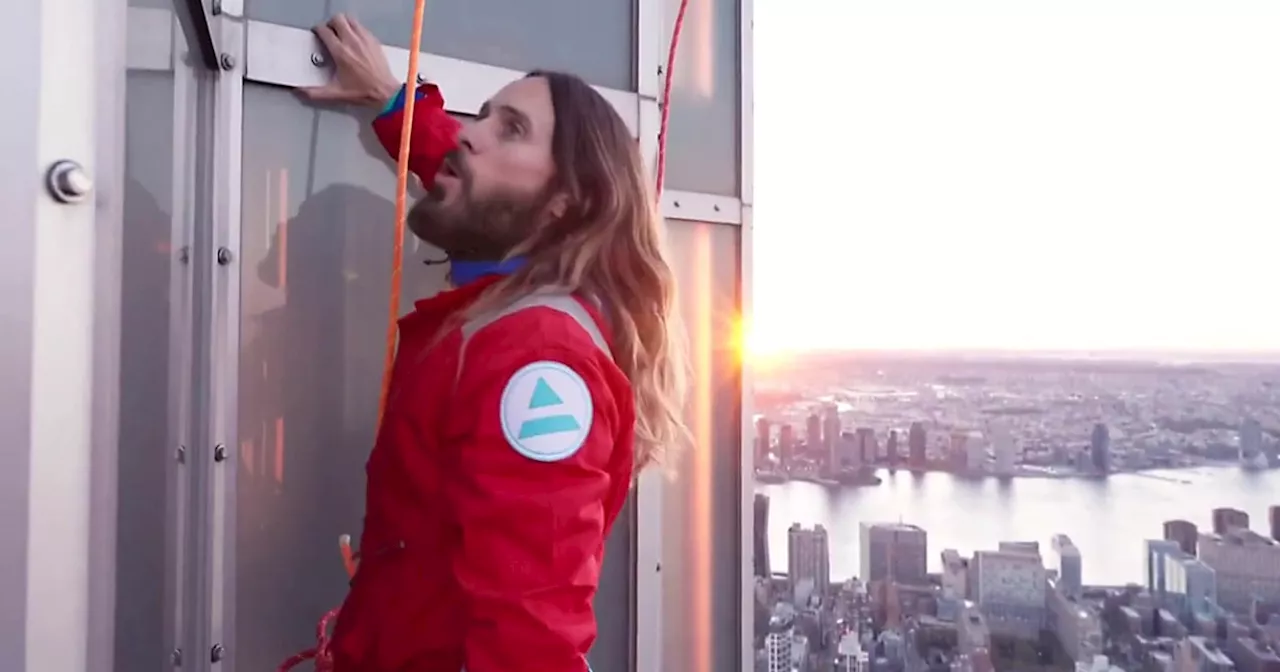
(666, 94)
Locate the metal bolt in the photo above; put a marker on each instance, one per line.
(317, 59)
(421, 80)
(182, 454)
(220, 453)
(184, 254)
(175, 658)
(224, 256)
(216, 653)
(68, 182)
(227, 61)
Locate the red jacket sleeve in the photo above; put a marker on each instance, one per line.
(434, 133)
(539, 430)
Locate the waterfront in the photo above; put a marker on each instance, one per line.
(1107, 519)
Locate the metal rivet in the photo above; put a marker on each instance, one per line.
(68, 182)
(421, 80)
(227, 61)
(182, 454)
(220, 453)
(317, 59)
(216, 653)
(224, 256)
(175, 658)
(676, 204)
(184, 254)
(716, 208)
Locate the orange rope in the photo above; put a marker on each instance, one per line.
(320, 653)
(402, 204)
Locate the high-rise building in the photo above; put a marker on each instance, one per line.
(850, 452)
(917, 445)
(1004, 450)
(1226, 519)
(786, 444)
(1100, 448)
(891, 447)
(1250, 441)
(1274, 515)
(958, 451)
(955, 576)
(1011, 590)
(894, 552)
(1184, 533)
(809, 557)
(1155, 551)
(762, 439)
(831, 436)
(1070, 569)
(868, 450)
(813, 436)
(1246, 565)
(760, 537)
(778, 642)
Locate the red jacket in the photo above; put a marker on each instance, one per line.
(503, 458)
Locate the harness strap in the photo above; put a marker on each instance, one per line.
(555, 299)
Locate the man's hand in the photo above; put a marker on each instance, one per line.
(361, 74)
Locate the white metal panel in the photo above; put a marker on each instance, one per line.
(747, 98)
(649, 41)
(698, 207)
(151, 35)
(283, 56)
(62, 367)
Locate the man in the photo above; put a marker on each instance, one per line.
(524, 400)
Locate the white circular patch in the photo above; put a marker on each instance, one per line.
(546, 411)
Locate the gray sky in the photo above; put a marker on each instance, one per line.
(1017, 174)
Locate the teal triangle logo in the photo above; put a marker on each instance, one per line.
(544, 396)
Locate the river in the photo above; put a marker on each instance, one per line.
(1107, 519)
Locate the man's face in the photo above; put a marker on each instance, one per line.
(492, 189)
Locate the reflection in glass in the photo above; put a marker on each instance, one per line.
(702, 153)
(700, 565)
(149, 409)
(595, 40)
(316, 236)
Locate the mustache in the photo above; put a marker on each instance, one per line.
(456, 161)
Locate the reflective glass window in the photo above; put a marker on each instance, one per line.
(154, 339)
(316, 237)
(595, 40)
(702, 150)
(701, 566)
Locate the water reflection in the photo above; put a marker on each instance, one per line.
(1108, 519)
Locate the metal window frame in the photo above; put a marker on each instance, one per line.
(217, 251)
(287, 56)
(746, 274)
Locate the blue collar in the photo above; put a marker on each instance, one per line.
(466, 272)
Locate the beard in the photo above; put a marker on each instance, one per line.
(471, 228)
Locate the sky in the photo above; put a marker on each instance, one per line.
(1017, 175)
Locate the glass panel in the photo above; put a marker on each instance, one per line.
(153, 308)
(702, 152)
(701, 567)
(318, 205)
(509, 33)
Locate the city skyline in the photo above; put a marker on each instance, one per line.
(954, 197)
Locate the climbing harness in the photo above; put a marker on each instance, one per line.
(321, 653)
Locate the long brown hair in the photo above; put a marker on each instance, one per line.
(608, 245)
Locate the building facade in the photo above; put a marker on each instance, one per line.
(198, 266)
